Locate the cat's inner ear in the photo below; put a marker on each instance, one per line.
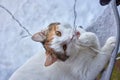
(50, 59)
(39, 36)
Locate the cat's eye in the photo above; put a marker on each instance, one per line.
(58, 33)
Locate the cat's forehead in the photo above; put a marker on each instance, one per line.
(53, 26)
(58, 27)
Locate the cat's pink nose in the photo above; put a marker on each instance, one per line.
(78, 33)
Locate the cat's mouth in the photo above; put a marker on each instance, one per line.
(52, 56)
(63, 56)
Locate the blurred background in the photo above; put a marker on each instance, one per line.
(15, 47)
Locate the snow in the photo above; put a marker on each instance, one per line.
(15, 49)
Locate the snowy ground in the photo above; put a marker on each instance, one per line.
(15, 49)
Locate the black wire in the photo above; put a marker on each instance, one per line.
(114, 54)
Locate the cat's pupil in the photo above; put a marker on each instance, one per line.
(58, 33)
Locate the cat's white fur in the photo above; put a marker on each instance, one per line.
(86, 58)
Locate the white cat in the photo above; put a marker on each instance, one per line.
(67, 55)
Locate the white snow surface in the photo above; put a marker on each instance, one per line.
(15, 49)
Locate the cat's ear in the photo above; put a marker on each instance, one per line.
(50, 59)
(39, 36)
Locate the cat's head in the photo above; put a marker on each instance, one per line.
(55, 40)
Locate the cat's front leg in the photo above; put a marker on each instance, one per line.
(101, 59)
(109, 46)
(88, 39)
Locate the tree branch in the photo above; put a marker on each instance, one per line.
(13, 17)
(75, 13)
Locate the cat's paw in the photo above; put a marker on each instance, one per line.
(88, 39)
(109, 46)
(111, 41)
